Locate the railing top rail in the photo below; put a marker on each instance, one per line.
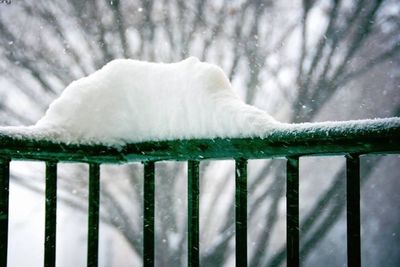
(361, 137)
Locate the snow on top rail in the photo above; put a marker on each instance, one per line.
(134, 110)
(359, 137)
(130, 101)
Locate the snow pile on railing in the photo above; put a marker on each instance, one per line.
(132, 101)
(129, 101)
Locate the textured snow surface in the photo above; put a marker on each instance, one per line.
(132, 101)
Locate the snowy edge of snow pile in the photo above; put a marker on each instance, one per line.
(319, 130)
(130, 101)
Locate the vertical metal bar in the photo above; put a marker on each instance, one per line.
(51, 214)
(193, 214)
(353, 211)
(4, 194)
(148, 223)
(93, 219)
(241, 212)
(292, 211)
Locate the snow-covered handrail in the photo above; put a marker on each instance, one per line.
(364, 136)
(125, 112)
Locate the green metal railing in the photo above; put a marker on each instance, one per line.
(350, 139)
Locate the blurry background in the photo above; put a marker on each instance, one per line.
(298, 60)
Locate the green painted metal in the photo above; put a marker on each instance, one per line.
(193, 214)
(353, 211)
(378, 137)
(241, 212)
(292, 212)
(93, 218)
(148, 214)
(50, 214)
(4, 194)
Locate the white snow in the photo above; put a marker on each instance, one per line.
(132, 101)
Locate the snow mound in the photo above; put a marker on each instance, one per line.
(130, 101)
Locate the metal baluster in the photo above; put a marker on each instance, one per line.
(241, 212)
(51, 214)
(193, 214)
(148, 222)
(292, 211)
(93, 220)
(353, 211)
(4, 195)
